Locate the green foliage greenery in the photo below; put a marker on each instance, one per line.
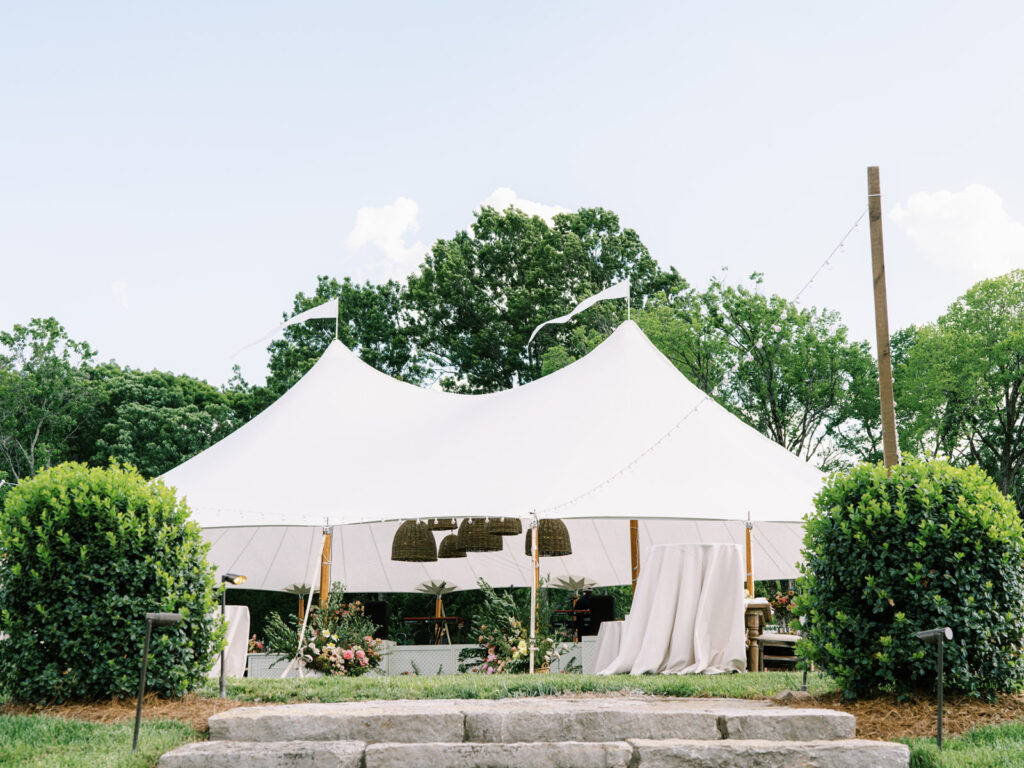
(84, 554)
(338, 641)
(501, 626)
(893, 552)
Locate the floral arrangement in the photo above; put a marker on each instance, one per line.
(782, 606)
(255, 645)
(338, 640)
(503, 637)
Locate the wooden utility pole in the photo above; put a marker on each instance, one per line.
(634, 551)
(890, 452)
(325, 570)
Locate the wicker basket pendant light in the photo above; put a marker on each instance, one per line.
(475, 536)
(413, 543)
(442, 524)
(449, 547)
(506, 526)
(552, 539)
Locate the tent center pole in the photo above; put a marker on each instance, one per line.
(634, 552)
(325, 570)
(533, 591)
(750, 560)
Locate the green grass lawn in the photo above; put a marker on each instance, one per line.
(991, 746)
(749, 685)
(44, 741)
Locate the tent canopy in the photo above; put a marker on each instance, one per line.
(348, 444)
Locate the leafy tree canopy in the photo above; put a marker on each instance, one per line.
(478, 296)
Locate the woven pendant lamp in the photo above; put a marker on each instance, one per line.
(475, 536)
(442, 524)
(449, 547)
(552, 539)
(506, 526)
(413, 543)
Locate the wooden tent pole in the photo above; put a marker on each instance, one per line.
(325, 570)
(533, 590)
(750, 560)
(634, 552)
(890, 452)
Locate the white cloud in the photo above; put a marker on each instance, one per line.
(385, 229)
(503, 197)
(119, 288)
(969, 231)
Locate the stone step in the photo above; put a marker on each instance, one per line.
(540, 719)
(634, 753)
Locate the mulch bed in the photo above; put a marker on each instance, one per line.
(887, 719)
(881, 718)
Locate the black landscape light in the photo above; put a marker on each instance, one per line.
(152, 620)
(227, 578)
(937, 637)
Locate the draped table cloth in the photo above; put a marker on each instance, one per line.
(609, 638)
(237, 652)
(687, 613)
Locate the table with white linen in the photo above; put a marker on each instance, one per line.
(687, 614)
(609, 638)
(237, 652)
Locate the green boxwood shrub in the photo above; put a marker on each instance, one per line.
(84, 554)
(892, 552)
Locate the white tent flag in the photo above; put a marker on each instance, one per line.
(617, 291)
(326, 311)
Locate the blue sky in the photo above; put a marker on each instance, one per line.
(171, 174)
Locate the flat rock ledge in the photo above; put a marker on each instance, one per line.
(635, 753)
(530, 720)
(266, 754)
(756, 753)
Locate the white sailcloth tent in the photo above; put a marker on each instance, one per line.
(354, 450)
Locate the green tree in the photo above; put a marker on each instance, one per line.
(153, 420)
(965, 381)
(44, 396)
(798, 378)
(479, 295)
(371, 324)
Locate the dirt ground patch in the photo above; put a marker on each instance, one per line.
(880, 718)
(887, 719)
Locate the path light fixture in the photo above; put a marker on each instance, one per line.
(152, 620)
(937, 637)
(235, 579)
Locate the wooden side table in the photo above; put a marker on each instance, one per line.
(756, 617)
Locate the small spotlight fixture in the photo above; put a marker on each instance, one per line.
(234, 579)
(937, 637)
(152, 620)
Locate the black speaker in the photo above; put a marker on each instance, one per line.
(601, 607)
(379, 612)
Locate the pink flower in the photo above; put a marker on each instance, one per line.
(347, 653)
(491, 657)
(361, 654)
(363, 662)
(490, 670)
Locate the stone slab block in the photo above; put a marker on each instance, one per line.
(531, 755)
(372, 721)
(784, 723)
(757, 753)
(527, 720)
(264, 754)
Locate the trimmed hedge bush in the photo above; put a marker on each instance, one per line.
(84, 554)
(893, 552)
